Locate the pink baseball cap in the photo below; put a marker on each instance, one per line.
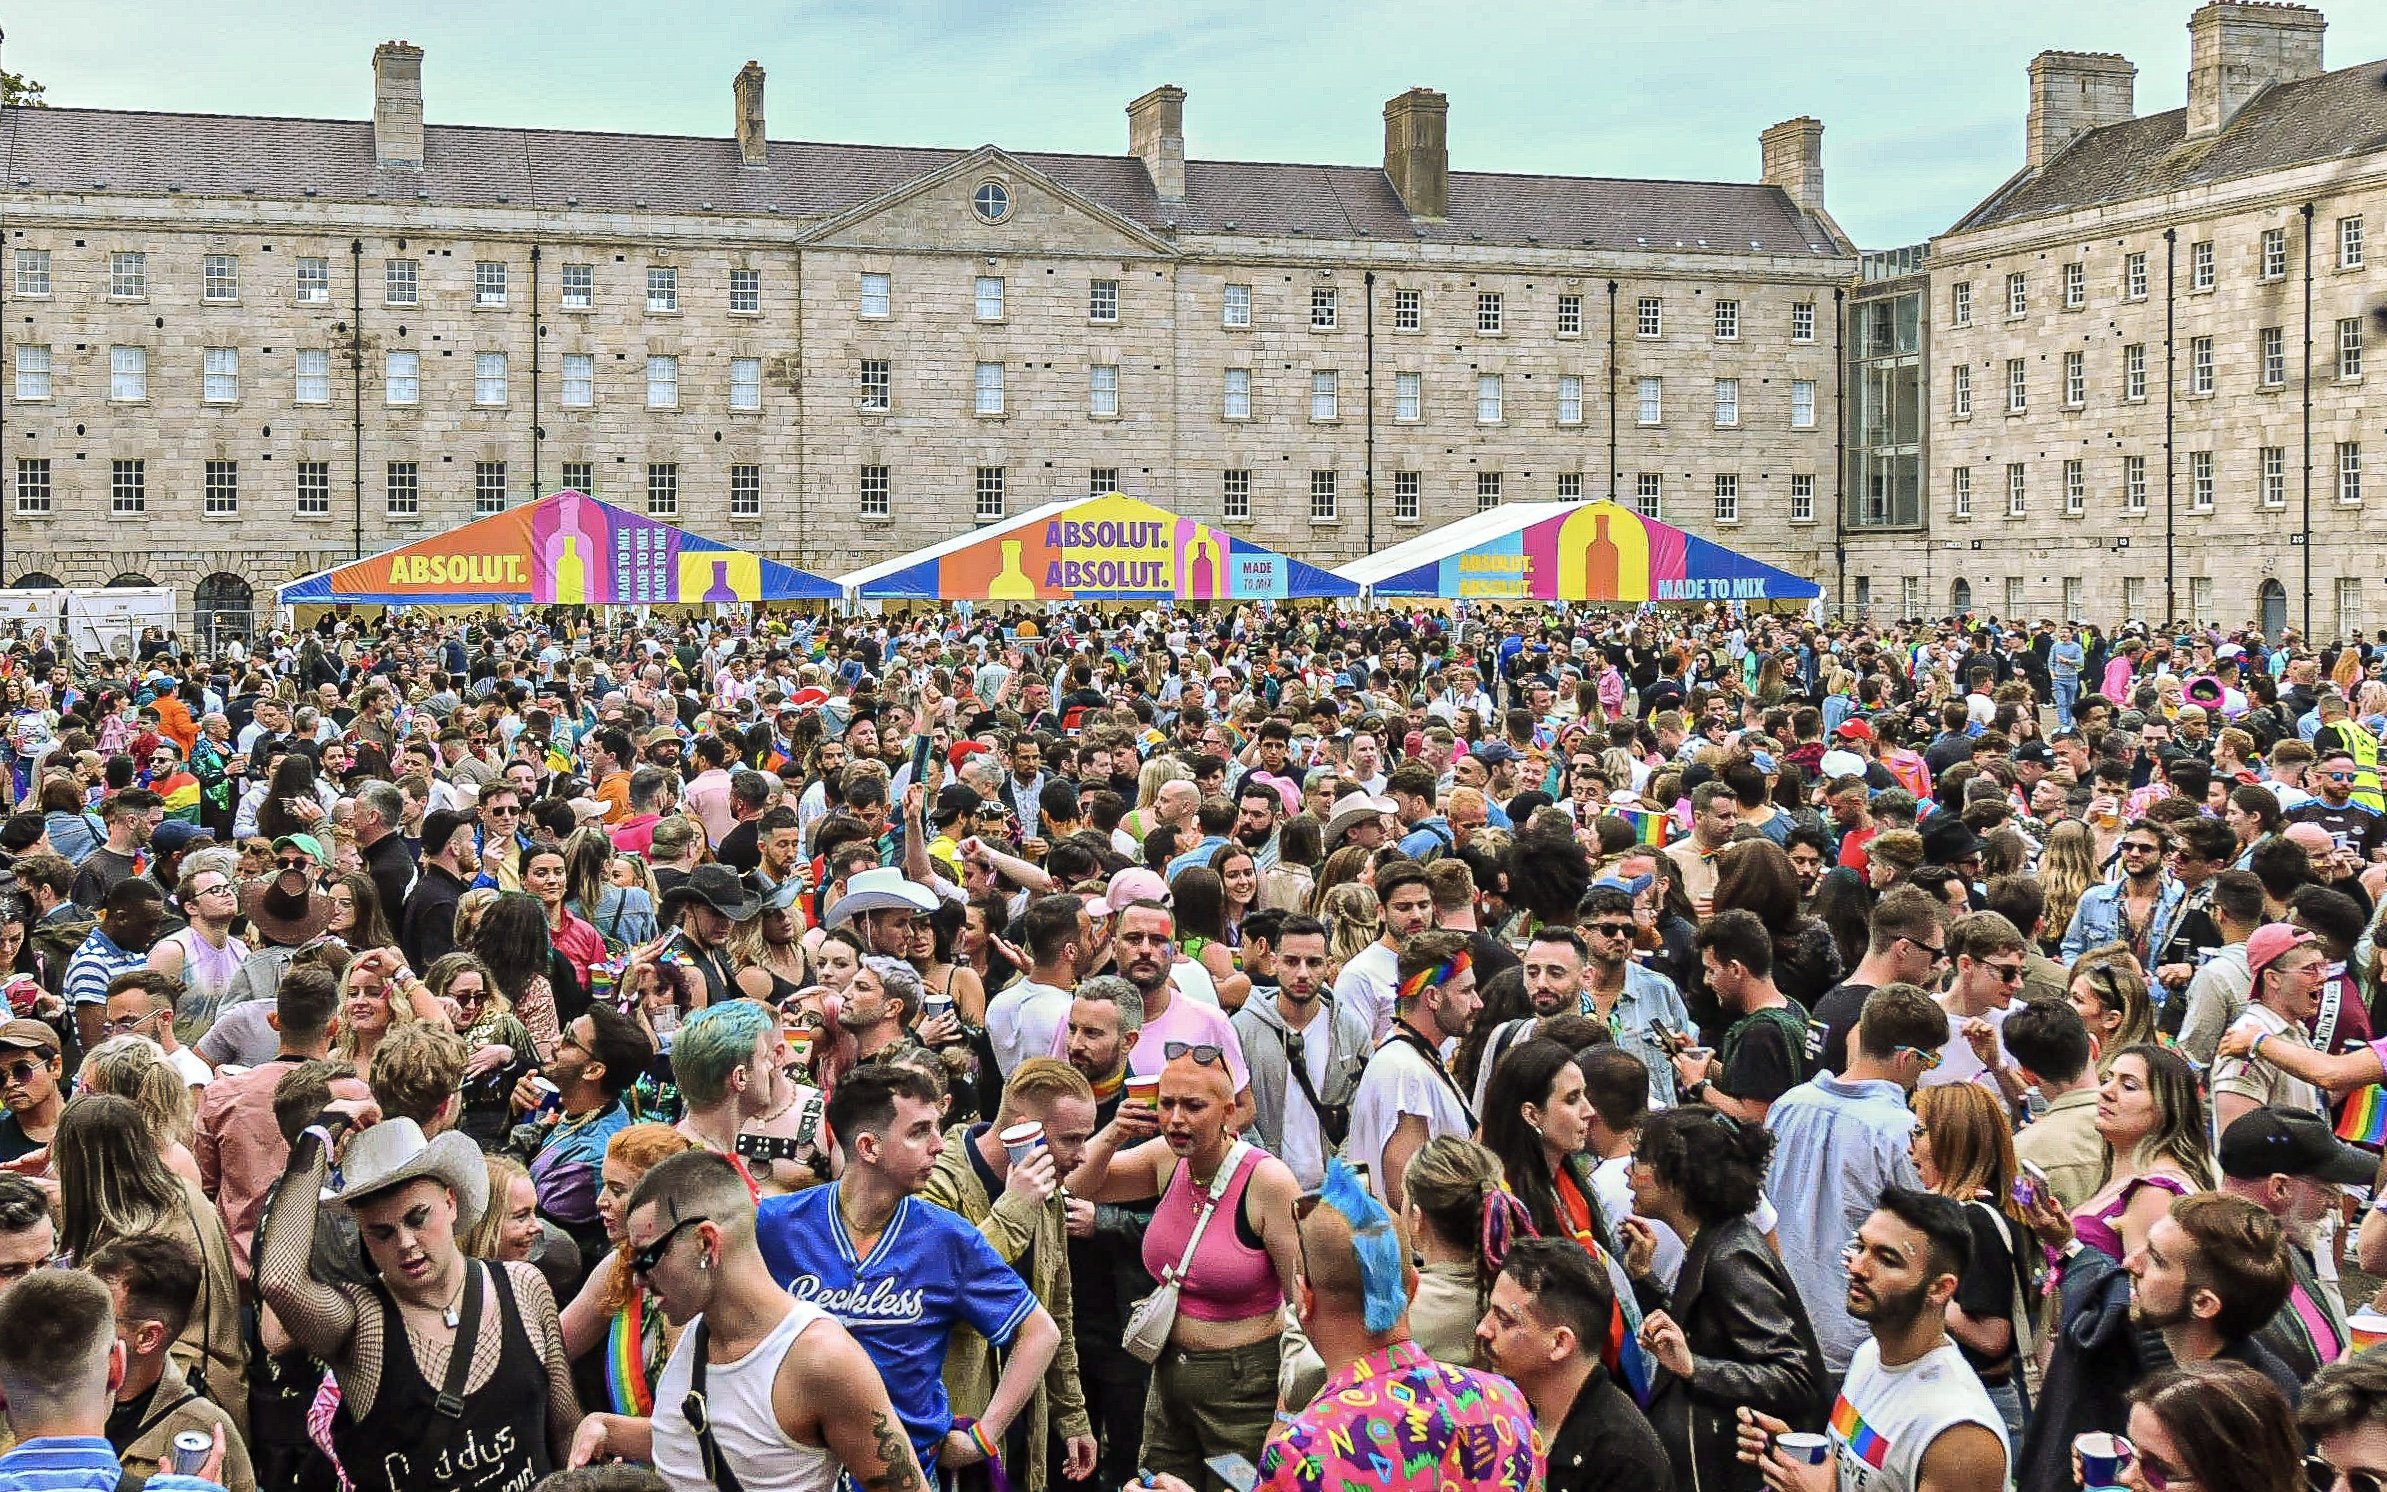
(1131, 885)
(2270, 941)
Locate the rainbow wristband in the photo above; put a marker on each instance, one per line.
(979, 1438)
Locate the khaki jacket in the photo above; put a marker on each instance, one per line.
(145, 1457)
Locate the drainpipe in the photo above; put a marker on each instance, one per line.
(536, 433)
(2171, 391)
(356, 388)
(1840, 444)
(2306, 546)
(1612, 497)
(1368, 475)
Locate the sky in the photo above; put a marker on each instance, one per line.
(1923, 102)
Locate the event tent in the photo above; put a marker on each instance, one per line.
(1107, 548)
(1586, 551)
(568, 549)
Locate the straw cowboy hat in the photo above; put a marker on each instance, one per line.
(880, 890)
(394, 1152)
(1353, 809)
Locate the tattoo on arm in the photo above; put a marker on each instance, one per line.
(898, 1471)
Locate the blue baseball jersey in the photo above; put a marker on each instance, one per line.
(929, 1270)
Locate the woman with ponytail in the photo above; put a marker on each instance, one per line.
(1461, 1220)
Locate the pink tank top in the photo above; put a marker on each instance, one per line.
(1229, 1280)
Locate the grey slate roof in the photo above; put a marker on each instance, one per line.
(2333, 116)
(120, 152)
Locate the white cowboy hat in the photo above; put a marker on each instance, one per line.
(394, 1152)
(880, 890)
(1353, 809)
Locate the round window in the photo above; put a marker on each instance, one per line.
(992, 202)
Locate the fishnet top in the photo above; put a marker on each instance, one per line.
(342, 1325)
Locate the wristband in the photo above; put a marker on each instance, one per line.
(2256, 1049)
(1697, 1092)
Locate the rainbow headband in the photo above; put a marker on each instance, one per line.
(1415, 986)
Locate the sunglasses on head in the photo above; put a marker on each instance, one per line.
(1203, 1053)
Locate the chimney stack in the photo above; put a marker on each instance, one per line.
(1156, 136)
(2073, 93)
(754, 148)
(1417, 151)
(1791, 156)
(2236, 49)
(398, 104)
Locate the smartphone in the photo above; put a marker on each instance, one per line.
(920, 749)
(1236, 1471)
(1669, 1040)
(2025, 1191)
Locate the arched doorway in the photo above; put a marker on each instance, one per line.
(2271, 604)
(39, 580)
(1960, 597)
(221, 609)
(129, 581)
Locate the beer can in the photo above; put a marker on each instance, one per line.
(190, 1451)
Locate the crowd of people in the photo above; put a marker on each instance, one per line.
(1498, 1049)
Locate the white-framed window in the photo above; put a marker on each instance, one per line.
(662, 382)
(128, 486)
(579, 287)
(219, 277)
(662, 287)
(2076, 488)
(878, 294)
(314, 281)
(1570, 316)
(1960, 391)
(987, 389)
(1235, 307)
(2017, 385)
(1102, 480)
(2200, 481)
(128, 274)
(2014, 595)
(2134, 275)
(314, 380)
(989, 305)
(663, 489)
(1325, 393)
(488, 488)
(2018, 295)
(1802, 321)
(2076, 285)
(1802, 404)
(1238, 402)
(2349, 347)
(1102, 301)
(1649, 405)
(745, 490)
(1102, 389)
(219, 494)
(2272, 348)
(1960, 493)
(1649, 317)
(1322, 497)
(580, 380)
(1802, 497)
(992, 202)
(2274, 469)
(1487, 398)
(1408, 310)
(1728, 320)
(580, 476)
(2075, 595)
(33, 273)
(2200, 365)
(1235, 495)
(746, 384)
(2349, 471)
(875, 494)
(402, 282)
(2076, 379)
(1960, 303)
(2275, 254)
(488, 378)
(1649, 493)
(1324, 307)
(33, 486)
(989, 493)
(402, 378)
(745, 292)
(128, 374)
(33, 371)
(876, 386)
(2200, 265)
(1405, 497)
(2018, 490)
(2134, 372)
(1728, 402)
(489, 282)
(1408, 397)
(2349, 242)
(2134, 485)
(1488, 313)
(1570, 486)
(2200, 599)
(2134, 596)
(1487, 490)
(1728, 497)
(1570, 398)
(2349, 605)
(219, 375)
(402, 489)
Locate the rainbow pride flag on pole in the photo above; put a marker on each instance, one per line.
(1649, 827)
(2363, 1119)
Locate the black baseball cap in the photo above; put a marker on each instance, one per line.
(2290, 1142)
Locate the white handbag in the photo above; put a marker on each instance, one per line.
(1151, 1319)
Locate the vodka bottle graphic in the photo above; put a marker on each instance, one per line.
(1013, 584)
(571, 573)
(568, 548)
(1602, 564)
(720, 589)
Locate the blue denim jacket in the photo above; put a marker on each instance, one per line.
(2098, 919)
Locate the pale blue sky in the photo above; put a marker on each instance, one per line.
(1923, 102)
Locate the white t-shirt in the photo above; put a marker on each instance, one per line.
(1886, 1418)
(1367, 985)
(187, 1062)
(1958, 1063)
(1022, 1020)
(1399, 1081)
(1613, 1181)
(1303, 1147)
(1192, 978)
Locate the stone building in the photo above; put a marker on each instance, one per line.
(244, 348)
(2147, 350)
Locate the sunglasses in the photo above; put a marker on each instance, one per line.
(293, 862)
(1203, 1053)
(2135, 848)
(501, 810)
(126, 1025)
(1612, 929)
(21, 1073)
(645, 1260)
(1930, 1060)
(2320, 1476)
(2006, 973)
(1938, 951)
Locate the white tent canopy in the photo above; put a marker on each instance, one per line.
(1451, 538)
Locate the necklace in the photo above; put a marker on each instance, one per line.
(447, 1313)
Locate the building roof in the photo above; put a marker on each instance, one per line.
(132, 153)
(2331, 116)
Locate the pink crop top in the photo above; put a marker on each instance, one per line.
(1229, 1280)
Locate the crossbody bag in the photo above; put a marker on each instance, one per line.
(1152, 1318)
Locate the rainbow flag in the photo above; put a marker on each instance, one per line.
(1649, 827)
(1868, 1443)
(2363, 1118)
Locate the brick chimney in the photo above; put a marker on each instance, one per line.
(1792, 159)
(2237, 49)
(1156, 136)
(754, 149)
(398, 104)
(2074, 92)
(1417, 151)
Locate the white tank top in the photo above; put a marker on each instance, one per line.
(1886, 1418)
(745, 1425)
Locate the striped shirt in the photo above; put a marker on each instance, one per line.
(79, 1463)
(94, 964)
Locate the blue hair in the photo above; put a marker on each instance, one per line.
(713, 1043)
(1384, 1294)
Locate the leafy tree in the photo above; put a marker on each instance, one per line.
(20, 92)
